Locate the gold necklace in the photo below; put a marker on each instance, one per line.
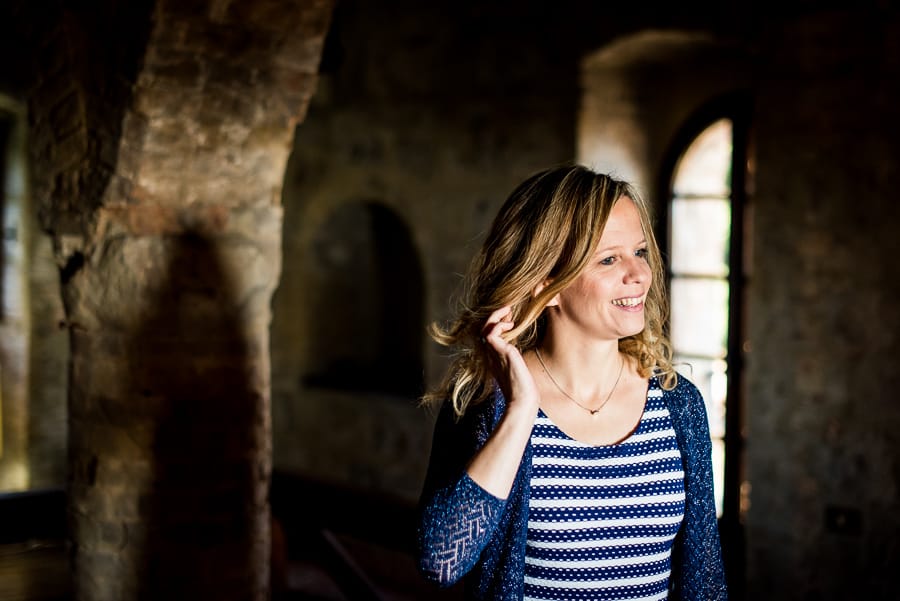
(569, 396)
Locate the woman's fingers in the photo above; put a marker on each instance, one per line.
(506, 361)
(495, 335)
(497, 323)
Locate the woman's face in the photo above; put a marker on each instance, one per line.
(607, 300)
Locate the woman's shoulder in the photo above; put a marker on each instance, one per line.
(684, 391)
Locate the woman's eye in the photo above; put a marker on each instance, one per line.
(642, 253)
(607, 260)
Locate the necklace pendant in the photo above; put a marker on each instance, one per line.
(592, 412)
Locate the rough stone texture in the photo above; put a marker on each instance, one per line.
(163, 469)
(159, 152)
(48, 355)
(822, 418)
(85, 60)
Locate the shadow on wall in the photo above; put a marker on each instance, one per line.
(191, 368)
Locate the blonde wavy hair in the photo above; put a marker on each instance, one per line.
(547, 230)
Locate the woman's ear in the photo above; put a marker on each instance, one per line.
(537, 290)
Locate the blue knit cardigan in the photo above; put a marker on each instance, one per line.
(465, 531)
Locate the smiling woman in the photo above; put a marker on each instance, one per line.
(569, 459)
(609, 293)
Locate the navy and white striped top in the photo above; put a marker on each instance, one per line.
(602, 519)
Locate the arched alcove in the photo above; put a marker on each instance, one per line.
(366, 303)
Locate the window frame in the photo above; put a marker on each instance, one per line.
(736, 107)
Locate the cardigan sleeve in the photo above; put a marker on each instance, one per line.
(456, 517)
(699, 571)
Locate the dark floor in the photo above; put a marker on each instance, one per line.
(38, 571)
(33, 571)
(357, 548)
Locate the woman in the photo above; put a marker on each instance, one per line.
(569, 461)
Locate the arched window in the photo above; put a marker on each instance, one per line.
(700, 232)
(705, 186)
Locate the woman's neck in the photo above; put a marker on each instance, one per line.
(583, 369)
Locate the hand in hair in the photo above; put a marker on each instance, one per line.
(507, 364)
(494, 466)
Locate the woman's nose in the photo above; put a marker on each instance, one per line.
(636, 270)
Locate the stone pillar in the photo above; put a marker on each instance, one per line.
(160, 137)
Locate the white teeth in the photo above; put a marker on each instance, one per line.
(627, 302)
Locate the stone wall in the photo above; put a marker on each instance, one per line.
(823, 452)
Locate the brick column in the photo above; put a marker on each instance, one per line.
(159, 153)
